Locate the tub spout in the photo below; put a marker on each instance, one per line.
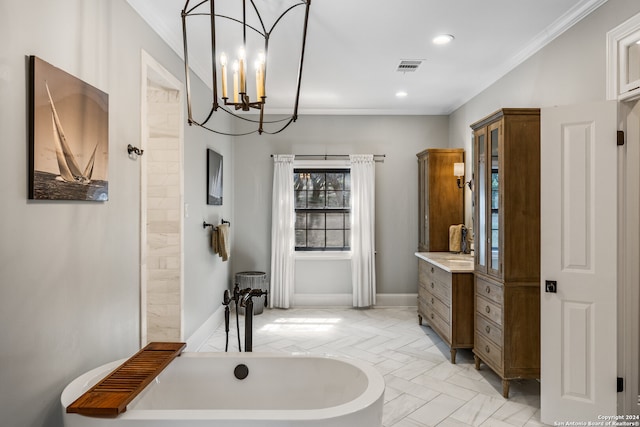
(247, 302)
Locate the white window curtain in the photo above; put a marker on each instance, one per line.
(363, 266)
(282, 232)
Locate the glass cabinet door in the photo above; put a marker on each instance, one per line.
(493, 211)
(480, 199)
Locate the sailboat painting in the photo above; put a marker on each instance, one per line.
(214, 181)
(69, 136)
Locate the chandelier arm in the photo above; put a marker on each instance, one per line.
(236, 20)
(188, 12)
(186, 66)
(264, 29)
(214, 75)
(226, 133)
(246, 119)
(284, 13)
(281, 129)
(304, 42)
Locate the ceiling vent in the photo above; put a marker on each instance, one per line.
(409, 65)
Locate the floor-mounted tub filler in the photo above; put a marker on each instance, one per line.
(245, 390)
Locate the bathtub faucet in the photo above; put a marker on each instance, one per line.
(247, 303)
(242, 298)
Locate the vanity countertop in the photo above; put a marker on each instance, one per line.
(448, 261)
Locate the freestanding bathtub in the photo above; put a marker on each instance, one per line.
(280, 390)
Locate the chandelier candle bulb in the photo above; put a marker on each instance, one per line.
(223, 70)
(257, 81)
(243, 79)
(235, 82)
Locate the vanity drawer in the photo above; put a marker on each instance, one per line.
(489, 330)
(488, 351)
(439, 289)
(439, 324)
(489, 309)
(431, 272)
(489, 290)
(439, 307)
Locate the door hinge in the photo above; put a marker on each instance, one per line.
(620, 137)
(620, 385)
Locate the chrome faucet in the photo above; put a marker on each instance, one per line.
(242, 298)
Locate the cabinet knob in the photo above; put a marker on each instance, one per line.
(487, 349)
(432, 270)
(487, 309)
(432, 285)
(432, 315)
(432, 300)
(487, 328)
(488, 290)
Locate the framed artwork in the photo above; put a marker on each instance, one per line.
(214, 178)
(68, 136)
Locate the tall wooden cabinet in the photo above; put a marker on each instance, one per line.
(506, 170)
(440, 201)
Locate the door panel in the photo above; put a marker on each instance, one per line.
(578, 251)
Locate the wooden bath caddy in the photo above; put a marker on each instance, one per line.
(111, 396)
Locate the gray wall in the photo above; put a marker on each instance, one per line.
(569, 70)
(399, 137)
(69, 271)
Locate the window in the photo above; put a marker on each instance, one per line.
(323, 204)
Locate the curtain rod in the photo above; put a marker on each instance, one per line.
(376, 157)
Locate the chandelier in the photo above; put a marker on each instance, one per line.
(240, 22)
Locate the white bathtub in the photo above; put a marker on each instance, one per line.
(200, 389)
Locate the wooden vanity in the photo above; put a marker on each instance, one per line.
(445, 297)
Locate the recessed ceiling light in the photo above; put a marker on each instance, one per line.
(443, 39)
(401, 94)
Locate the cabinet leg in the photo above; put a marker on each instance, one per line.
(477, 360)
(505, 389)
(453, 356)
(419, 320)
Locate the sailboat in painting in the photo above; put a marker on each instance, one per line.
(70, 171)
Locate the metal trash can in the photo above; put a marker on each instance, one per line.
(253, 280)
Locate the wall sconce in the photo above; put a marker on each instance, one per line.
(458, 171)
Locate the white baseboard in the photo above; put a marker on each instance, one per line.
(396, 300)
(346, 300)
(200, 336)
(322, 300)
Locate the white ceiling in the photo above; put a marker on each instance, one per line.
(354, 47)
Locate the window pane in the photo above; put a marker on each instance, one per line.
(316, 199)
(335, 199)
(298, 182)
(316, 220)
(301, 199)
(317, 180)
(335, 181)
(347, 238)
(335, 238)
(301, 238)
(347, 199)
(316, 238)
(301, 220)
(335, 221)
(347, 181)
(347, 221)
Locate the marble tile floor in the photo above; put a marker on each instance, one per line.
(422, 387)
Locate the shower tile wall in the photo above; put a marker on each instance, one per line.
(164, 227)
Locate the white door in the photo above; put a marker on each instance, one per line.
(578, 251)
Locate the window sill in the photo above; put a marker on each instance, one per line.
(323, 255)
